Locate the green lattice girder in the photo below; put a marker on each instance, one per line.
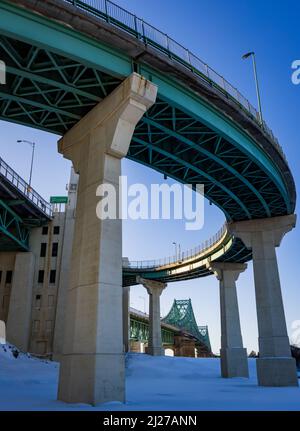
(14, 234)
(139, 331)
(182, 316)
(48, 91)
(56, 75)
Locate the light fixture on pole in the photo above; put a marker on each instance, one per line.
(32, 144)
(244, 57)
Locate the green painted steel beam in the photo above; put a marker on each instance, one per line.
(43, 106)
(31, 102)
(189, 102)
(37, 30)
(52, 83)
(176, 179)
(211, 156)
(199, 171)
(139, 331)
(12, 227)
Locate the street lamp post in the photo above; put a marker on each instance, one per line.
(177, 251)
(32, 144)
(244, 57)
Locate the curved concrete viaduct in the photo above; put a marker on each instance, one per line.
(114, 87)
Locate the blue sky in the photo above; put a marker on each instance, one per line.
(219, 33)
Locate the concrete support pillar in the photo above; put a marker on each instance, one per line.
(154, 289)
(275, 366)
(2, 332)
(126, 318)
(58, 339)
(92, 364)
(19, 314)
(184, 346)
(135, 346)
(234, 362)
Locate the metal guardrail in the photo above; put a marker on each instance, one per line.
(180, 258)
(24, 188)
(149, 35)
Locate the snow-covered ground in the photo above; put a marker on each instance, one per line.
(161, 383)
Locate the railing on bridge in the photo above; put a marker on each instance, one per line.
(181, 257)
(23, 187)
(150, 35)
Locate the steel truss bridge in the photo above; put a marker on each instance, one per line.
(64, 56)
(182, 316)
(179, 321)
(21, 208)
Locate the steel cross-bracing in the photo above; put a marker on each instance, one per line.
(64, 57)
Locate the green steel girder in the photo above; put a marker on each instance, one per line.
(51, 88)
(176, 144)
(139, 331)
(181, 134)
(55, 75)
(13, 233)
(46, 90)
(175, 95)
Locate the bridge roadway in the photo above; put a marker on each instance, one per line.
(200, 130)
(21, 208)
(223, 247)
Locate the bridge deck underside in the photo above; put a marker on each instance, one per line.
(52, 92)
(236, 253)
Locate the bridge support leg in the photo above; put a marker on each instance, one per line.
(58, 339)
(234, 361)
(126, 318)
(154, 289)
(275, 366)
(92, 364)
(19, 315)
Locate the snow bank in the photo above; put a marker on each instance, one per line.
(152, 383)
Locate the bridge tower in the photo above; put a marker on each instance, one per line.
(182, 316)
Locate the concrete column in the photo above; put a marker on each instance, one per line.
(126, 318)
(19, 314)
(92, 365)
(154, 289)
(135, 346)
(275, 366)
(234, 362)
(2, 332)
(66, 253)
(184, 346)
